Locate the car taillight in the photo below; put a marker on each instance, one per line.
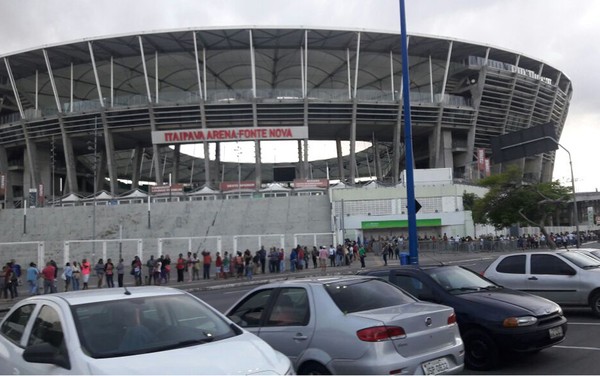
(380, 333)
(452, 319)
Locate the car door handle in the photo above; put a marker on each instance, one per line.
(300, 337)
(534, 278)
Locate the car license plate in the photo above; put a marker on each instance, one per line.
(556, 332)
(435, 366)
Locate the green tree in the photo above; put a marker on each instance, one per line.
(510, 202)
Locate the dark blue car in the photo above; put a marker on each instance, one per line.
(492, 319)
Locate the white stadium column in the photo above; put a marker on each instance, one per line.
(109, 149)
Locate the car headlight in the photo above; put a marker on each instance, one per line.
(514, 322)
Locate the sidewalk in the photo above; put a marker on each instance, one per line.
(372, 261)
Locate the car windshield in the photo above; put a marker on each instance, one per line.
(581, 260)
(357, 295)
(143, 325)
(458, 280)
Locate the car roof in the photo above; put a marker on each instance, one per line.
(318, 280)
(108, 294)
(409, 267)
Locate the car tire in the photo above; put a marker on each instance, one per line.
(481, 352)
(595, 304)
(313, 368)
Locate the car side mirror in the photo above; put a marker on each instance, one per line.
(46, 353)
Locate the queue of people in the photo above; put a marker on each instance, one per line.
(241, 265)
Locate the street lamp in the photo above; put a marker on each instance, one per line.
(575, 213)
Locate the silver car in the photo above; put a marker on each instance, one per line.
(567, 277)
(352, 325)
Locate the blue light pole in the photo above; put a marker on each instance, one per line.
(410, 180)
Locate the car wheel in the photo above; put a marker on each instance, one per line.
(481, 352)
(313, 368)
(595, 304)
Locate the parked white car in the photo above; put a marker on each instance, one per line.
(567, 277)
(142, 330)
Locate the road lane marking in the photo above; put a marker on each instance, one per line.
(584, 323)
(577, 347)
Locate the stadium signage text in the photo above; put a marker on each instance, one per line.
(229, 134)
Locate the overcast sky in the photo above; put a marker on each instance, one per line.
(562, 33)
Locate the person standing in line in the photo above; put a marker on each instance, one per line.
(14, 279)
(281, 268)
(76, 275)
(166, 268)
(189, 266)
(120, 272)
(99, 270)
(219, 266)
(195, 267)
(136, 270)
(67, 275)
(331, 256)
(53, 263)
(362, 253)
(206, 261)
(315, 256)
(323, 256)
(226, 264)
(109, 270)
(48, 275)
(180, 267)
(151, 264)
(293, 259)
(17, 273)
(385, 253)
(7, 272)
(262, 255)
(86, 269)
(158, 271)
(32, 278)
(248, 264)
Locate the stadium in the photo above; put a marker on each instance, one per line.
(112, 113)
(94, 136)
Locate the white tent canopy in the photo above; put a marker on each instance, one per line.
(203, 191)
(135, 193)
(275, 187)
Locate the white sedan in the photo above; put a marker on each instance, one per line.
(141, 330)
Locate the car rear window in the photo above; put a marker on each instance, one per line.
(357, 295)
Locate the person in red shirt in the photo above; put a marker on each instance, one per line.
(219, 265)
(86, 268)
(48, 275)
(206, 261)
(180, 267)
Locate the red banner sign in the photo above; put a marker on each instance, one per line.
(311, 183)
(182, 136)
(166, 189)
(231, 185)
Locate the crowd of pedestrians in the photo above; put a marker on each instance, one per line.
(240, 265)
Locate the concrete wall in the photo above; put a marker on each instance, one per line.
(226, 218)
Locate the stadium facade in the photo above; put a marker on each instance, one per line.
(91, 115)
